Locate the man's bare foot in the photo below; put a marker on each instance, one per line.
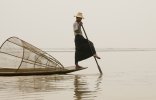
(77, 66)
(97, 57)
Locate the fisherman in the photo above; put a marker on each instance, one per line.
(83, 47)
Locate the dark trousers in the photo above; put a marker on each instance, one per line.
(83, 48)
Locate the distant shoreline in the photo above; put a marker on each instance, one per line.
(100, 49)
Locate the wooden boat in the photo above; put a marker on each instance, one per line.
(19, 58)
(28, 72)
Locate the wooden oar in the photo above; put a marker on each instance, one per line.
(92, 50)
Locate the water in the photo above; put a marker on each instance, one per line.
(127, 75)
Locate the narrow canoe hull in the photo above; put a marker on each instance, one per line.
(49, 72)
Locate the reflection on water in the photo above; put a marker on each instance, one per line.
(61, 87)
(82, 89)
(42, 83)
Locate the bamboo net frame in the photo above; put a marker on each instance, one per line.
(19, 55)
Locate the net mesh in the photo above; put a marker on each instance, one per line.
(18, 54)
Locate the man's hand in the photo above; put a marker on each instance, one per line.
(80, 23)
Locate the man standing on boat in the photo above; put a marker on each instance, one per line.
(83, 47)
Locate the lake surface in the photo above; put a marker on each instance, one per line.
(127, 75)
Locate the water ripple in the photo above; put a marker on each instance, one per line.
(67, 87)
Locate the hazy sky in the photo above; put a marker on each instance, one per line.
(108, 23)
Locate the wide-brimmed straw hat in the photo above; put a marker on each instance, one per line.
(79, 14)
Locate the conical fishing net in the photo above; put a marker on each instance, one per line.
(20, 55)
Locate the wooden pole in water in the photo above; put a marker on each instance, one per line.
(92, 50)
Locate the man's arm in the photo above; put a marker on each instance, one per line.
(78, 27)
